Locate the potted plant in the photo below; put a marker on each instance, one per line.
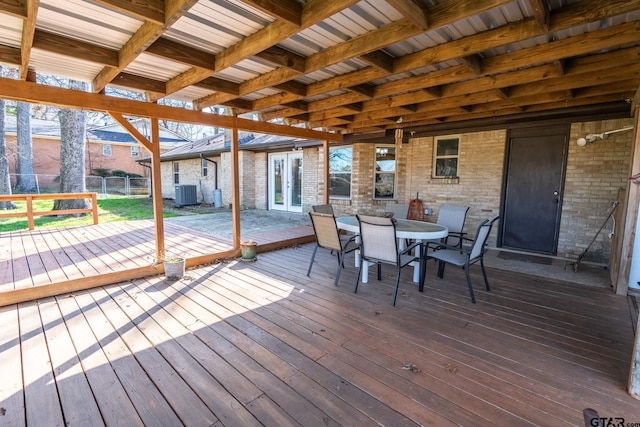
(174, 267)
(248, 250)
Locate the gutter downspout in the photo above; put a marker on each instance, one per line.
(215, 176)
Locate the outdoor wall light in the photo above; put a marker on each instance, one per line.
(604, 135)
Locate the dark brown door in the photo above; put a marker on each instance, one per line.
(533, 187)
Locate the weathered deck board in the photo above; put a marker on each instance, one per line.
(237, 343)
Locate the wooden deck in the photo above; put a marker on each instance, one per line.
(51, 256)
(242, 344)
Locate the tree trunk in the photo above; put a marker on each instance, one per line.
(25, 178)
(72, 154)
(5, 183)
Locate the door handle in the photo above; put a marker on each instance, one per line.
(555, 197)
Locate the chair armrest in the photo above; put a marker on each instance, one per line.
(410, 247)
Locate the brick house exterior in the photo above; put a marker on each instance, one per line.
(109, 147)
(594, 176)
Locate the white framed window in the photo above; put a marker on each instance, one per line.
(205, 167)
(106, 150)
(446, 150)
(135, 151)
(384, 177)
(176, 172)
(340, 160)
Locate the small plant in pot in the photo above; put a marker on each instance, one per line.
(174, 267)
(248, 250)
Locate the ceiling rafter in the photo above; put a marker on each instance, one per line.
(148, 10)
(148, 33)
(28, 31)
(75, 48)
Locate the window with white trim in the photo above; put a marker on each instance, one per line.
(106, 150)
(340, 159)
(384, 184)
(135, 151)
(176, 172)
(445, 157)
(205, 167)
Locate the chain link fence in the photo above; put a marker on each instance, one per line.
(114, 185)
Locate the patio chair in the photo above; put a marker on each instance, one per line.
(453, 217)
(399, 210)
(379, 245)
(328, 237)
(462, 256)
(326, 209)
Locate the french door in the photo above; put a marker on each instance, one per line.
(285, 181)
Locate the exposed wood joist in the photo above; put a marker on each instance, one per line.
(413, 12)
(148, 33)
(75, 48)
(139, 83)
(49, 95)
(28, 31)
(148, 10)
(289, 11)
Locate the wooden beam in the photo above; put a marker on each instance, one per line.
(148, 33)
(41, 94)
(289, 11)
(293, 87)
(541, 13)
(413, 12)
(75, 48)
(379, 59)
(219, 85)
(156, 190)
(174, 51)
(135, 133)
(28, 31)
(17, 8)
(235, 187)
(10, 55)
(148, 10)
(139, 83)
(283, 58)
(474, 62)
(313, 11)
(363, 89)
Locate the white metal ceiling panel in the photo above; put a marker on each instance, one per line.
(154, 67)
(63, 66)
(10, 31)
(87, 22)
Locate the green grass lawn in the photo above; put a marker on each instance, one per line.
(111, 209)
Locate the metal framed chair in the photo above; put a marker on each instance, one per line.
(326, 209)
(462, 256)
(399, 210)
(328, 237)
(453, 217)
(378, 244)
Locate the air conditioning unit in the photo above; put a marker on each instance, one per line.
(186, 195)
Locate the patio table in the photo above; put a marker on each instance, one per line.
(405, 229)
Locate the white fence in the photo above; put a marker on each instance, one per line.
(115, 185)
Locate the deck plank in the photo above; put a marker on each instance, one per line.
(11, 386)
(238, 343)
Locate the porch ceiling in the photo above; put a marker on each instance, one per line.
(350, 67)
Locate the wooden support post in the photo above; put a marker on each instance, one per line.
(156, 190)
(235, 188)
(325, 196)
(30, 220)
(628, 233)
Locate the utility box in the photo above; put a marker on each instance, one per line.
(217, 198)
(186, 195)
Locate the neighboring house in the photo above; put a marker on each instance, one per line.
(488, 170)
(108, 147)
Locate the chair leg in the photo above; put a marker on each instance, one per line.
(395, 295)
(379, 271)
(441, 269)
(312, 258)
(340, 267)
(359, 274)
(466, 270)
(423, 272)
(484, 273)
